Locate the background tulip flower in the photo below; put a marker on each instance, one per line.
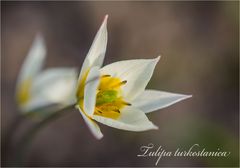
(36, 89)
(115, 95)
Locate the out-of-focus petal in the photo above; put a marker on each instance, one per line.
(34, 60)
(52, 87)
(30, 69)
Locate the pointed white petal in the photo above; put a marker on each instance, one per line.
(34, 60)
(97, 51)
(137, 73)
(131, 119)
(90, 90)
(151, 100)
(92, 125)
(53, 86)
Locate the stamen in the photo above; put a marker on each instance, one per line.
(126, 103)
(118, 111)
(105, 76)
(99, 111)
(123, 82)
(119, 84)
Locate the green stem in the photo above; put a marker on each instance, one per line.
(24, 142)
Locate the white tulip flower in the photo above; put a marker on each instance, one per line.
(115, 95)
(38, 89)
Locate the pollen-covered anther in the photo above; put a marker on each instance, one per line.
(126, 103)
(120, 84)
(99, 111)
(106, 76)
(118, 111)
(123, 82)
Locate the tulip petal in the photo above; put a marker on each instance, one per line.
(137, 73)
(97, 51)
(31, 67)
(53, 87)
(151, 100)
(90, 90)
(92, 125)
(131, 119)
(34, 60)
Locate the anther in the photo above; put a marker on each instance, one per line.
(127, 104)
(119, 84)
(99, 111)
(117, 111)
(106, 76)
(123, 82)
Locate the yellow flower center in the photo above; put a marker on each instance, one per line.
(23, 94)
(109, 99)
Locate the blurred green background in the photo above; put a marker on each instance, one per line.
(199, 44)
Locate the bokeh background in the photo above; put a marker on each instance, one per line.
(199, 44)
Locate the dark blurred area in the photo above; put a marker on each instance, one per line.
(199, 45)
